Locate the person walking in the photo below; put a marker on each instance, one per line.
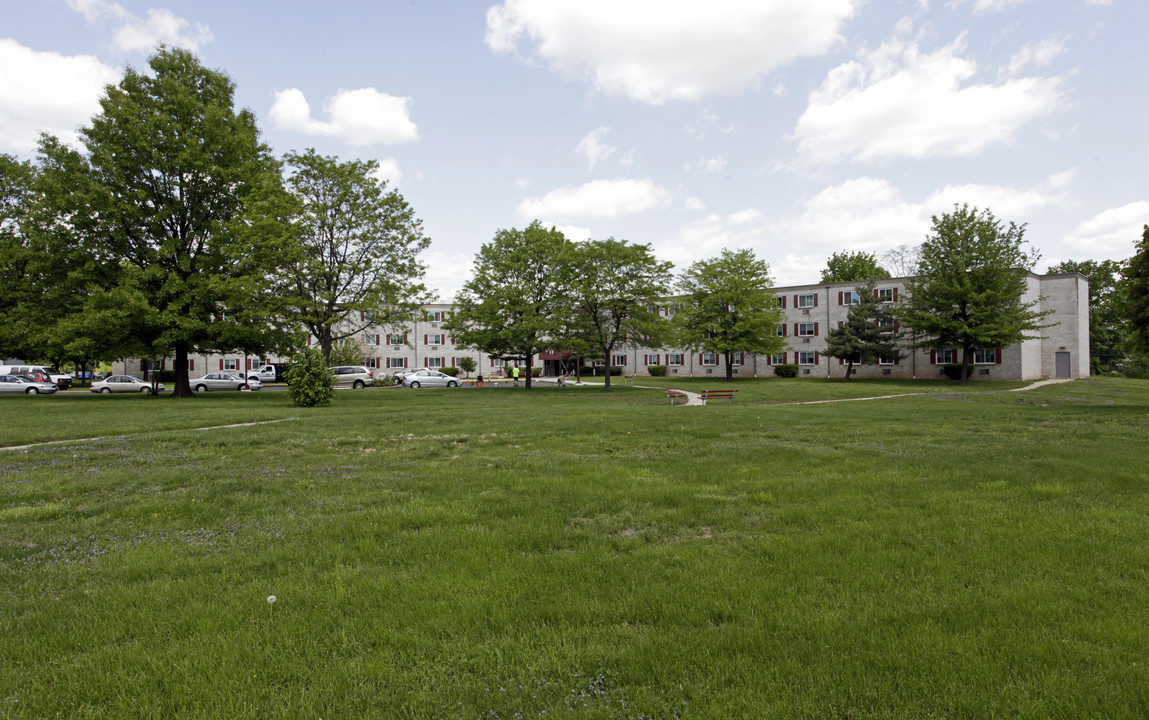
(515, 374)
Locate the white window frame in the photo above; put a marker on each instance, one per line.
(230, 365)
(396, 362)
(778, 359)
(988, 356)
(885, 359)
(780, 331)
(806, 357)
(372, 363)
(806, 301)
(675, 359)
(435, 315)
(806, 329)
(619, 360)
(851, 297)
(940, 356)
(712, 357)
(885, 295)
(435, 339)
(498, 363)
(434, 363)
(736, 359)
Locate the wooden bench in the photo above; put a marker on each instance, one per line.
(727, 395)
(674, 394)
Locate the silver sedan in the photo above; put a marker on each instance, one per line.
(18, 385)
(429, 378)
(123, 384)
(223, 381)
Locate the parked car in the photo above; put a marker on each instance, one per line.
(36, 376)
(123, 384)
(272, 372)
(429, 378)
(16, 384)
(62, 380)
(352, 376)
(223, 381)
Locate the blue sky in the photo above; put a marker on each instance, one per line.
(795, 129)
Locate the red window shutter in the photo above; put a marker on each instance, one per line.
(840, 297)
(404, 362)
(896, 361)
(875, 293)
(998, 356)
(426, 362)
(933, 357)
(784, 358)
(895, 294)
(191, 364)
(815, 324)
(700, 358)
(795, 328)
(815, 299)
(795, 301)
(815, 358)
(841, 361)
(783, 302)
(424, 339)
(221, 364)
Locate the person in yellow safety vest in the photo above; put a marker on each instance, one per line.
(515, 374)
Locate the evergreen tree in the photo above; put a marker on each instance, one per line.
(869, 332)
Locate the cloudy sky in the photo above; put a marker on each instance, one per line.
(797, 129)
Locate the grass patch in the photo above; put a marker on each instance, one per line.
(502, 553)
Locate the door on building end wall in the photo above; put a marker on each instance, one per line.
(1061, 364)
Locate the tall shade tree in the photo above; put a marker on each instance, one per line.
(349, 258)
(728, 307)
(869, 333)
(17, 257)
(851, 266)
(161, 193)
(618, 287)
(1137, 308)
(1107, 325)
(519, 300)
(970, 286)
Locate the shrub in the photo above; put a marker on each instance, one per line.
(953, 371)
(656, 370)
(786, 371)
(536, 372)
(165, 376)
(467, 364)
(312, 384)
(452, 371)
(615, 370)
(1136, 367)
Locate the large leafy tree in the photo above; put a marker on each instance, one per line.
(618, 287)
(1137, 308)
(17, 256)
(347, 257)
(1107, 325)
(869, 332)
(728, 307)
(849, 266)
(160, 198)
(970, 288)
(519, 301)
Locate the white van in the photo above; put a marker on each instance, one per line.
(63, 381)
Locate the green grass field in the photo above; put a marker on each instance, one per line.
(574, 553)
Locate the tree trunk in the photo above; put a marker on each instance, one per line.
(849, 369)
(606, 353)
(530, 371)
(729, 367)
(181, 388)
(964, 366)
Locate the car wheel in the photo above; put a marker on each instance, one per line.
(415, 384)
(33, 391)
(452, 383)
(358, 385)
(241, 388)
(105, 391)
(145, 389)
(201, 388)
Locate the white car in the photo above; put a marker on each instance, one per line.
(223, 381)
(123, 384)
(17, 384)
(429, 378)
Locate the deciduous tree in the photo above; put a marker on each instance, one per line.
(869, 332)
(1137, 308)
(851, 266)
(519, 300)
(970, 288)
(728, 307)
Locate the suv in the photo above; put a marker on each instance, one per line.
(352, 376)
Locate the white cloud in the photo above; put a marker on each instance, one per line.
(659, 50)
(521, 183)
(982, 7)
(1038, 54)
(593, 149)
(862, 214)
(1109, 235)
(693, 203)
(574, 233)
(136, 34)
(708, 165)
(605, 199)
(446, 272)
(389, 172)
(358, 117)
(897, 102)
(47, 92)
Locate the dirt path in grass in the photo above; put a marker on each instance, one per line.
(116, 437)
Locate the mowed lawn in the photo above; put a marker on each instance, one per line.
(574, 553)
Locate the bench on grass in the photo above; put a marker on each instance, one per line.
(727, 395)
(674, 394)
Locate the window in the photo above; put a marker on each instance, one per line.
(779, 359)
(986, 356)
(619, 360)
(229, 364)
(943, 357)
(806, 301)
(372, 362)
(849, 297)
(708, 358)
(432, 339)
(371, 338)
(650, 359)
(807, 329)
(396, 362)
(856, 358)
(886, 295)
(806, 357)
(674, 359)
(434, 362)
(736, 359)
(497, 362)
(436, 316)
(396, 339)
(780, 331)
(780, 302)
(886, 359)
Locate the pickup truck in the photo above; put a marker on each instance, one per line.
(272, 372)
